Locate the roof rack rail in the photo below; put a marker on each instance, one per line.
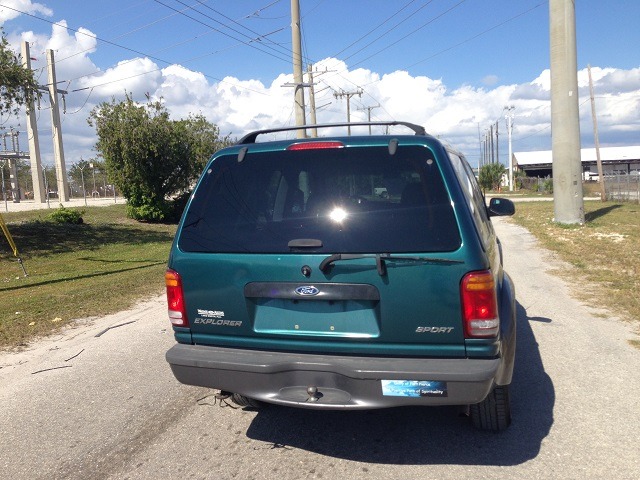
(251, 137)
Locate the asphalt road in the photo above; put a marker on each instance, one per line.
(97, 403)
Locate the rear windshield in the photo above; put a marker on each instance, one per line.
(348, 200)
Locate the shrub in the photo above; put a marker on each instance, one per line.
(65, 215)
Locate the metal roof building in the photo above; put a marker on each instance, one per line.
(615, 161)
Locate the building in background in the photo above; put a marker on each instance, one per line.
(615, 161)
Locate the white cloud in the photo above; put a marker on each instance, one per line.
(15, 7)
(240, 105)
(138, 76)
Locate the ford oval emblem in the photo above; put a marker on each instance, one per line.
(307, 291)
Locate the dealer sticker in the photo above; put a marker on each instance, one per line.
(414, 388)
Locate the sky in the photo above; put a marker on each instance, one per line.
(449, 65)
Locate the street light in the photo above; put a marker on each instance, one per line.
(84, 192)
(94, 181)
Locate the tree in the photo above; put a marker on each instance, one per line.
(490, 176)
(205, 139)
(78, 174)
(18, 86)
(150, 158)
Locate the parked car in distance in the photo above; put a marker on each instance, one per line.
(293, 280)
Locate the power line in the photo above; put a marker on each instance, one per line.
(410, 33)
(374, 29)
(390, 30)
(477, 35)
(62, 25)
(249, 44)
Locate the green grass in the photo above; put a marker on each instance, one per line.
(102, 266)
(602, 254)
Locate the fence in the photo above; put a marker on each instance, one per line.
(535, 184)
(624, 188)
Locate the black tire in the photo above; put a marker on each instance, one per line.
(243, 401)
(494, 412)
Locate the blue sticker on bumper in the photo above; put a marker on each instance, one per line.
(413, 388)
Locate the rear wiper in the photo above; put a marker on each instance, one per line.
(381, 258)
(326, 263)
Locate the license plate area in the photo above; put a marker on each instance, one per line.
(333, 318)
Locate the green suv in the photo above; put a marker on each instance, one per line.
(343, 273)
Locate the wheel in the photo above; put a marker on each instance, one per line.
(494, 412)
(243, 401)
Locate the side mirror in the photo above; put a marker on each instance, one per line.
(500, 207)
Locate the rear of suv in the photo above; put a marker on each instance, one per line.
(344, 273)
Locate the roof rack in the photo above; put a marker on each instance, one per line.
(251, 137)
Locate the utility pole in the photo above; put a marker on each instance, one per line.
(603, 193)
(368, 110)
(297, 66)
(348, 95)
(565, 125)
(497, 144)
(312, 101)
(480, 144)
(491, 140)
(32, 134)
(487, 148)
(509, 117)
(56, 130)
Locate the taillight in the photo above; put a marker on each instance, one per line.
(175, 299)
(479, 305)
(323, 145)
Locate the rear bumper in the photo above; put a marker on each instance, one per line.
(342, 382)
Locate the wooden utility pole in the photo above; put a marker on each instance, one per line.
(568, 200)
(603, 193)
(348, 95)
(368, 110)
(312, 102)
(297, 67)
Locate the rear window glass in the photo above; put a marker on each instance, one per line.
(349, 200)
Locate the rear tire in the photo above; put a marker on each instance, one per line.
(494, 412)
(243, 401)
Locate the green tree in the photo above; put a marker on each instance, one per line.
(151, 159)
(490, 176)
(17, 84)
(205, 139)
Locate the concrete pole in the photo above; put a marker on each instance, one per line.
(34, 143)
(509, 118)
(565, 125)
(56, 131)
(596, 138)
(297, 66)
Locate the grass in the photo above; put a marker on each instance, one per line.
(101, 266)
(603, 253)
